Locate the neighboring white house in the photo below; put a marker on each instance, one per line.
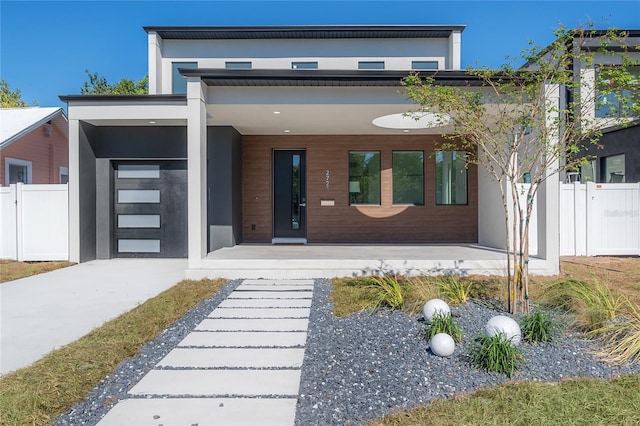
(280, 135)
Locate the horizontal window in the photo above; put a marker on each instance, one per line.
(612, 101)
(364, 177)
(138, 196)
(451, 177)
(138, 171)
(424, 65)
(138, 221)
(237, 65)
(304, 65)
(371, 65)
(138, 246)
(408, 177)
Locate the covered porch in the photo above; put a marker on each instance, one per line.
(344, 260)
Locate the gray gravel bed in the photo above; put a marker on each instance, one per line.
(368, 365)
(363, 366)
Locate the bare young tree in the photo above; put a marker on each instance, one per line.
(534, 122)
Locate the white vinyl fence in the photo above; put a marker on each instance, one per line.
(599, 219)
(34, 222)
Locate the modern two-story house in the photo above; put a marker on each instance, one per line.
(277, 135)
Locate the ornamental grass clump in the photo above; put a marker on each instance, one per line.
(496, 353)
(454, 289)
(388, 292)
(538, 326)
(591, 304)
(443, 323)
(621, 337)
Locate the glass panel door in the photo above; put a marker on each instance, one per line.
(289, 194)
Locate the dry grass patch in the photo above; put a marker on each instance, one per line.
(35, 395)
(11, 270)
(573, 402)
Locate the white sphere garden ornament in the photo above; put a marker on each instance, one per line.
(434, 306)
(506, 326)
(442, 344)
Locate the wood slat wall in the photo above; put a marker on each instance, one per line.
(343, 223)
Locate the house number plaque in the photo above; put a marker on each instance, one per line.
(327, 176)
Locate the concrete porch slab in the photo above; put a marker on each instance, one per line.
(202, 411)
(245, 339)
(260, 313)
(264, 261)
(219, 324)
(233, 358)
(219, 383)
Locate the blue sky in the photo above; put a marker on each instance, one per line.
(45, 46)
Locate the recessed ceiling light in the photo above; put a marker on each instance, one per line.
(152, 122)
(406, 130)
(276, 112)
(287, 131)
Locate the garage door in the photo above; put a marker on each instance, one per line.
(150, 209)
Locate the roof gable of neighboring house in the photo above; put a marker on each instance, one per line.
(17, 122)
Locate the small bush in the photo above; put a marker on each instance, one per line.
(621, 337)
(496, 354)
(443, 323)
(454, 289)
(538, 326)
(388, 292)
(591, 304)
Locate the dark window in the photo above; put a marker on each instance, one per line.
(613, 169)
(424, 65)
(238, 65)
(364, 177)
(371, 65)
(304, 65)
(408, 177)
(179, 83)
(612, 101)
(451, 177)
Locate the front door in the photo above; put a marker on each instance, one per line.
(289, 196)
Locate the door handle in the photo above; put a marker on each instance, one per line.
(302, 205)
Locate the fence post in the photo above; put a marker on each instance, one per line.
(592, 220)
(19, 224)
(576, 205)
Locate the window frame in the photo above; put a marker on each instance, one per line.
(393, 177)
(466, 177)
(9, 161)
(361, 63)
(238, 65)
(352, 201)
(414, 68)
(614, 109)
(174, 73)
(314, 65)
(605, 171)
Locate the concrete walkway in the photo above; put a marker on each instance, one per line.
(240, 366)
(46, 311)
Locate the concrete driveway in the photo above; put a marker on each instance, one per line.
(46, 311)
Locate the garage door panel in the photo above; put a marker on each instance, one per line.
(150, 213)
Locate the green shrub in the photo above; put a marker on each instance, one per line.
(538, 326)
(592, 304)
(388, 292)
(443, 323)
(496, 354)
(454, 289)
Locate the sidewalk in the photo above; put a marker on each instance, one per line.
(240, 366)
(43, 312)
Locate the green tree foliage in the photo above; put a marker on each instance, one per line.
(98, 85)
(513, 122)
(10, 98)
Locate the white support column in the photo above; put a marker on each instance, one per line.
(155, 63)
(454, 50)
(74, 190)
(196, 170)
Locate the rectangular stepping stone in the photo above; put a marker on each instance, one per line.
(219, 383)
(253, 324)
(233, 358)
(260, 313)
(271, 295)
(278, 282)
(202, 411)
(245, 339)
(280, 287)
(265, 303)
